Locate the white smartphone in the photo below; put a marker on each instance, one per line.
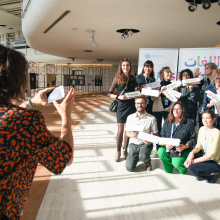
(57, 93)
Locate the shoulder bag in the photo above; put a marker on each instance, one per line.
(114, 105)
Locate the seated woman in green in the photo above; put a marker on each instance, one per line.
(177, 126)
(206, 167)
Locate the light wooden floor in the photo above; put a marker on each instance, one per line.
(96, 187)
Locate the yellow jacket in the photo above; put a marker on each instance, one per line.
(213, 148)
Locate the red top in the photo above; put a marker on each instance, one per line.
(25, 141)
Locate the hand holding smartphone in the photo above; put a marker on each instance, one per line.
(57, 93)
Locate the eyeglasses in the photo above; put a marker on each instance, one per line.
(217, 78)
(207, 68)
(139, 103)
(177, 109)
(186, 75)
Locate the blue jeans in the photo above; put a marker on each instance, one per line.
(204, 169)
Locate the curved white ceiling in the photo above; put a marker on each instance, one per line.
(162, 24)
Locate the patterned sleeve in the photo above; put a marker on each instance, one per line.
(50, 151)
(112, 87)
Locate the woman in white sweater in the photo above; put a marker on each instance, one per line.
(206, 167)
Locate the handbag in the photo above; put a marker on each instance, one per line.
(114, 105)
(175, 153)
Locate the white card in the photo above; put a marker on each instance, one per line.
(131, 95)
(152, 85)
(150, 92)
(148, 137)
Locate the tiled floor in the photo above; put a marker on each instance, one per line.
(96, 187)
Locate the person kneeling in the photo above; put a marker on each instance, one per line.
(177, 126)
(139, 149)
(206, 167)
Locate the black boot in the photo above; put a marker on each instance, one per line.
(213, 178)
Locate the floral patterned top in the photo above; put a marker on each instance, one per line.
(25, 141)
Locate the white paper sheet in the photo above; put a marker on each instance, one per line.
(174, 85)
(153, 85)
(148, 137)
(131, 95)
(212, 95)
(191, 81)
(169, 141)
(150, 92)
(176, 94)
(168, 93)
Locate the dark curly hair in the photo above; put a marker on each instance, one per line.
(190, 73)
(13, 74)
(120, 76)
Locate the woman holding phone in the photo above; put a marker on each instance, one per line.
(124, 82)
(25, 140)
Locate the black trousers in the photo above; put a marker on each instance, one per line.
(159, 116)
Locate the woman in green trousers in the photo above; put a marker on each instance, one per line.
(177, 126)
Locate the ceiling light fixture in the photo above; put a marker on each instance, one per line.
(91, 39)
(99, 60)
(126, 33)
(206, 4)
(192, 6)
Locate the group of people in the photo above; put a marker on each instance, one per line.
(159, 116)
(25, 139)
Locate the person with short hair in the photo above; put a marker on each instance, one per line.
(25, 140)
(190, 95)
(177, 126)
(140, 149)
(207, 166)
(161, 105)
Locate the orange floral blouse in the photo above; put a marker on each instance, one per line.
(25, 141)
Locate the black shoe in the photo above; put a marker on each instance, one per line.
(213, 178)
(200, 178)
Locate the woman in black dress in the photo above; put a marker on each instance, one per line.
(146, 77)
(124, 82)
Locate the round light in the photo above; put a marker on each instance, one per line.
(192, 7)
(206, 5)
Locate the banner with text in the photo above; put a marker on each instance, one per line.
(193, 58)
(160, 57)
